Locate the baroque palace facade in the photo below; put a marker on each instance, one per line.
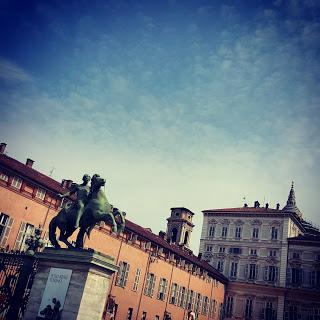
(271, 257)
(159, 277)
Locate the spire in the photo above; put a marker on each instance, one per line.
(291, 203)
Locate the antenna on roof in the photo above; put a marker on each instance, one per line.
(51, 171)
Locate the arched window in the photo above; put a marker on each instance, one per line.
(186, 238)
(174, 234)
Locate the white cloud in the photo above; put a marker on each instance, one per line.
(12, 73)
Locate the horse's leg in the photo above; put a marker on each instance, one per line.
(65, 235)
(52, 233)
(107, 217)
(79, 242)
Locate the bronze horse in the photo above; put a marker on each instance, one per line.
(96, 209)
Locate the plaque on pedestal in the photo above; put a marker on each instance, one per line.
(70, 285)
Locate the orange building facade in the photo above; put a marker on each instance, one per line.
(158, 277)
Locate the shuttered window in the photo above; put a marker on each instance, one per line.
(174, 293)
(5, 227)
(162, 289)
(26, 230)
(150, 283)
(16, 182)
(122, 275)
(136, 280)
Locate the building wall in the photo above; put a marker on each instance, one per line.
(267, 255)
(22, 206)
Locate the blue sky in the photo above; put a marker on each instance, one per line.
(176, 103)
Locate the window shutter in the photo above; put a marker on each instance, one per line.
(20, 235)
(246, 271)
(276, 274)
(288, 275)
(119, 274)
(126, 275)
(6, 233)
(257, 271)
(147, 284)
(177, 295)
(266, 273)
(165, 289)
(153, 285)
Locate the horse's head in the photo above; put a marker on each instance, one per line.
(97, 182)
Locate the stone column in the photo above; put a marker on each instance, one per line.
(88, 287)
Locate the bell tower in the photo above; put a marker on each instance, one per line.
(180, 226)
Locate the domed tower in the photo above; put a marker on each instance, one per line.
(291, 203)
(180, 226)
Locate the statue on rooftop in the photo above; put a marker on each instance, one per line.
(90, 208)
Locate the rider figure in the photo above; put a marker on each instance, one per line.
(82, 190)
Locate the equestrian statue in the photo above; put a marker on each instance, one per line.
(91, 206)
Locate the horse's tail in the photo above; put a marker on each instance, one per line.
(52, 232)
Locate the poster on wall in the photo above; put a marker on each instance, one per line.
(54, 294)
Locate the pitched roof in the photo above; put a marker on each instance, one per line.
(184, 254)
(27, 172)
(243, 209)
(30, 173)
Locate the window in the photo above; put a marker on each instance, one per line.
(26, 230)
(235, 250)
(315, 279)
(220, 265)
(4, 228)
(144, 316)
(229, 307)
(149, 288)
(224, 232)
(182, 297)
(222, 249)
(296, 276)
(233, 270)
(208, 248)
(156, 317)
(190, 299)
(272, 253)
(174, 293)
(237, 234)
(198, 303)
(16, 182)
(269, 312)
(211, 231)
(274, 233)
(252, 271)
(129, 314)
(271, 273)
(136, 280)
(248, 309)
(255, 233)
(205, 306)
(253, 252)
(162, 289)
(4, 177)
(40, 194)
(122, 275)
(212, 308)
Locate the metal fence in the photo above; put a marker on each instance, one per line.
(17, 271)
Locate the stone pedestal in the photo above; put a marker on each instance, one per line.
(88, 287)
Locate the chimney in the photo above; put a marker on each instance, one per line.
(199, 255)
(278, 206)
(162, 235)
(267, 206)
(29, 163)
(2, 147)
(257, 204)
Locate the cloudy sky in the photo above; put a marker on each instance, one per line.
(177, 103)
